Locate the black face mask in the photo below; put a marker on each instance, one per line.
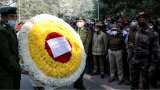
(142, 24)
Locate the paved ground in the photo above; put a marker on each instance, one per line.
(91, 83)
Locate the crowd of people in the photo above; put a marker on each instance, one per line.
(126, 50)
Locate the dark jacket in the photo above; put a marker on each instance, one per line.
(143, 46)
(9, 61)
(116, 42)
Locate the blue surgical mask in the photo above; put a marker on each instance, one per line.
(12, 23)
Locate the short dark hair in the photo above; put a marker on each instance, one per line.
(143, 13)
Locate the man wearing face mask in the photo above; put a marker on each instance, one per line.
(99, 49)
(10, 72)
(116, 45)
(143, 49)
(86, 37)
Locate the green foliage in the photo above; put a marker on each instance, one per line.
(129, 7)
(61, 8)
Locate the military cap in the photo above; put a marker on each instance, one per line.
(80, 19)
(8, 10)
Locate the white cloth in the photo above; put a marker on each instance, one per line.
(59, 46)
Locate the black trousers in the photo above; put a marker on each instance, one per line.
(8, 83)
(79, 83)
(89, 63)
(154, 74)
(125, 65)
(139, 76)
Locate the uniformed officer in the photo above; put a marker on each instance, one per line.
(10, 72)
(86, 37)
(143, 51)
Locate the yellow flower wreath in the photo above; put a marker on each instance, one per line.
(37, 60)
(40, 56)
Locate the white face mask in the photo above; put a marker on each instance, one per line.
(12, 23)
(151, 26)
(80, 24)
(134, 23)
(114, 33)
